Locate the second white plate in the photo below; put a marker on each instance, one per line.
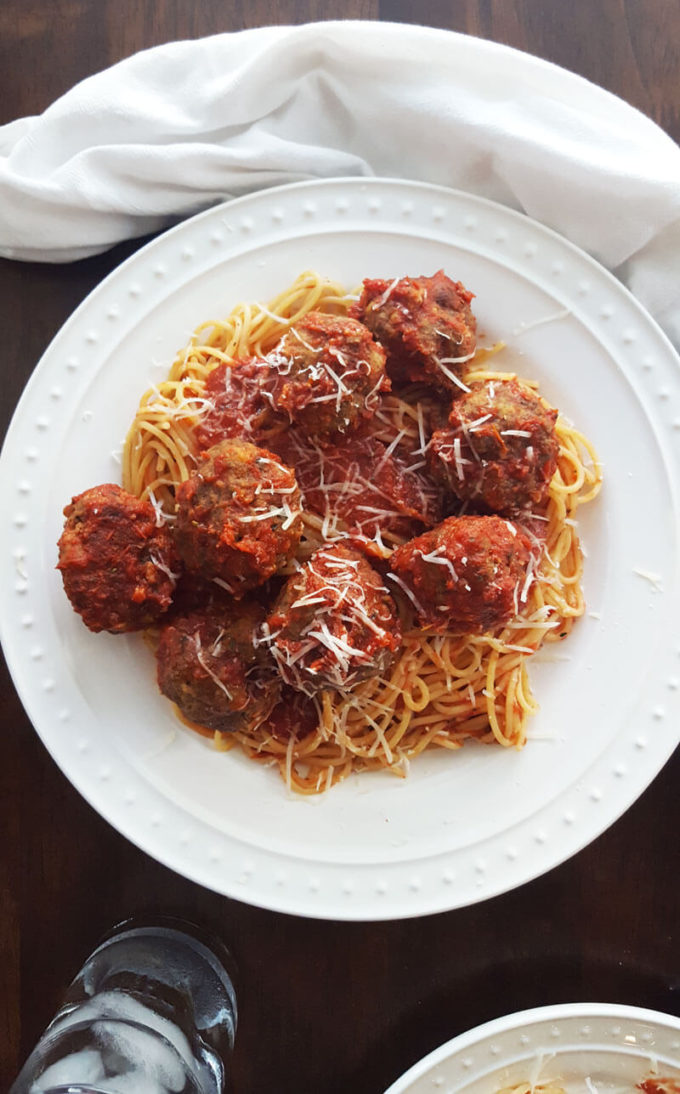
(585, 1048)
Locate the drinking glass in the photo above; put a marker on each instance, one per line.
(152, 1011)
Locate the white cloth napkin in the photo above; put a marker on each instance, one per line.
(177, 128)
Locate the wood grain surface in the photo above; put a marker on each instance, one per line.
(325, 1007)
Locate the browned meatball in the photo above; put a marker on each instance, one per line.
(424, 323)
(238, 516)
(468, 575)
(333, 624)
(118, 565)
(208, 665)
(238, 404)
(295, 715)
(499, 449)
(330, 371)
(357, 485)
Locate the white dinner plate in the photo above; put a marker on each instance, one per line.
(463, 826)
(587, 1048)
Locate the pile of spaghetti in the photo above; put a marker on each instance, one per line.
(441, 688)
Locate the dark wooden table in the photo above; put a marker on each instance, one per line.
(328, 1007)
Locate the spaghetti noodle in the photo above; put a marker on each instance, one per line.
(442, 689)
(534, 1088)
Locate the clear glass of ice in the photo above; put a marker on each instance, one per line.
(152, 1011)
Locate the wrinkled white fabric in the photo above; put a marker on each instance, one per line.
(177, 128)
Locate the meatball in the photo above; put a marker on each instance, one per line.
(468, 575)
(238, 516)
(295, 715)
(499, 449)
(209, 666)
(238, 404)
(333, 624)
(424, 323)
(330, 371)
(118, 564)
(359, 486)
